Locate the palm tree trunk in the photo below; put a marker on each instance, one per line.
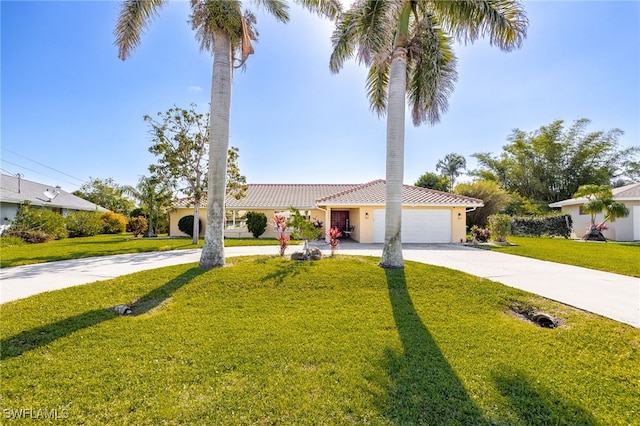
(392, 251)
(213, 249)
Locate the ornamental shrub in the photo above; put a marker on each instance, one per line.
(84, 224)
(114, 223)
(553, 226)
(30, 236)
(499, 226)
(480, 235)
(137, 225)
(256, 223)
(29, 218)
(185, 224)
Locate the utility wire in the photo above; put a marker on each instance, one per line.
(36, 172)
(43, 165)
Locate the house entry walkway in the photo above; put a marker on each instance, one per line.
(610, 295)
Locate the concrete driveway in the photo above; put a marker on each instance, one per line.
(610, 295)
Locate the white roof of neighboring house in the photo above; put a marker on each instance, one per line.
(16, 191)
(624, 193)
(308, 196)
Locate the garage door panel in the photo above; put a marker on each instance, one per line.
(418, 226)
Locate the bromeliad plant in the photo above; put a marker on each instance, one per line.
(280, 224)
(333, 234)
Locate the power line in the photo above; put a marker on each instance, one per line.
(36, 172)
(43, 165)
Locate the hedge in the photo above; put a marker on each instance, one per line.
(553, 226)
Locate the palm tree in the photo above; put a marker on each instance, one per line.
(450, 167)
(154, 198)
(407, 46)
(224, 30)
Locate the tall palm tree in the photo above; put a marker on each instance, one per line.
(407, 46)
(451, 166)
(223, 29)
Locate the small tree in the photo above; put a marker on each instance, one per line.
(256, 223)
(281, 226)
(334, 234)
(137, 225)
(302, 228)
(600, 199)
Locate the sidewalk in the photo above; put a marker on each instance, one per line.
(610, 295)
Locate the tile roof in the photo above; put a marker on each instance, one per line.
(34, 192)
(307, 196)
(373, 193)
(628, 192)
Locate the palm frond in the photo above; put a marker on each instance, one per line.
(431, 69)
(376, 28)
(377, 84)
(343, 40)
(133, 18)
(363, 31)
(503, 21)
(327, 8)
(278, 8)
(211, 16)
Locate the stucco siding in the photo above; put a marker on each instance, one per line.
(619, 230)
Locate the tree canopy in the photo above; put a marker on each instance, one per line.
(433, 181)
(106, 193)
(552, 162)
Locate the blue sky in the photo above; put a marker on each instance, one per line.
(72, 110)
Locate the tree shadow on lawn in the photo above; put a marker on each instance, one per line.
(423, 387)
(291, 268)
(26, 341)
(536, 405)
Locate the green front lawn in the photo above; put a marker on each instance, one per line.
(339, 341)
(619, 258)
(104, 245)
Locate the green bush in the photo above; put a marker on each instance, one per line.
(137, 225)
(185, 224)
(256, 223)
(29, 218)
(499, 226)
(84, 224)
(553, 226)
(113, 223)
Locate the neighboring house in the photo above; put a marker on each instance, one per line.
(622, 229)
(14, 191)
(428, 216)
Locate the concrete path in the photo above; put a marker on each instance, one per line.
(610, 295)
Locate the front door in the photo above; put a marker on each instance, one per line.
(340, 220)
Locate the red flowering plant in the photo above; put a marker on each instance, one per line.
(333, 234)
(280, 224)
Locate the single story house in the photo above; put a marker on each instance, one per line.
(16, 190)
(623, 229)
(357, 210)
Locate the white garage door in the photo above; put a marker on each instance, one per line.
(636, 223)
(418, 226)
